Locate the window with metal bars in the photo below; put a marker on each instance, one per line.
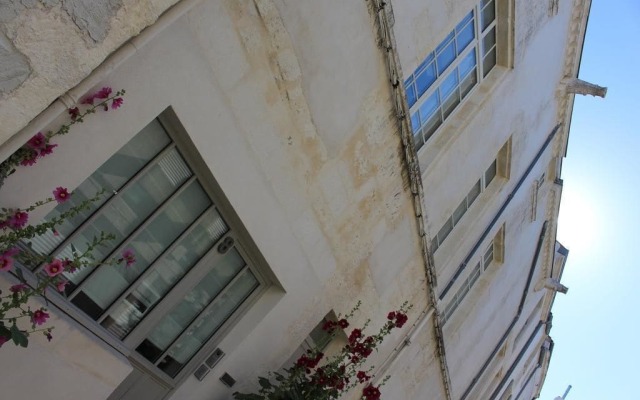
(192, 273)
(449, 73)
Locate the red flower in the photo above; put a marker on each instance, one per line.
(116, 103)
(54, 268)
(103, 93)
(39, 317)
(37, 142)
(29, 159)
(47, 150)
(371, 393)
(401, 319)
(6, 263)
(343, 323)
(74, 113)
(3, 340)
(129, 257)
(61, 286)
(61, 194)
(362, 376)
(88, 100)
(391, 316)
(355, 335)
(18, 220)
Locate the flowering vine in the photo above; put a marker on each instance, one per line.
(317, 377)
(17, 318)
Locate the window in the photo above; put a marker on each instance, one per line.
(447, 75)
(493, 253)
(534, 197)
(192, 273)
(453, 220)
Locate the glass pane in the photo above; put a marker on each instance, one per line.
(111, 175)
(489, 62)
(166, 273)
(415, 121)
(468, 83)
(451, 103)
(425, 79)
(446, 42)
(490, 173)
(209, 322)
(431, 126)
(467, 64)
(108, 282)
(429, 107)
(488, 14)
(489, 41)
(445, 231)
(411, 94)
(129, 209)
(430, 57)
(462, 24)
(193, 303)
(434, 244)
(446, 57)
(417, 139)
(488, 256)
(449, 85)
(475, 274)
(466, 34)
(473, 193)
(459, 212)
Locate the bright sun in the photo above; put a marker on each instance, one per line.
(578, 223)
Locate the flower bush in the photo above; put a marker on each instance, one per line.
(316, 377)
(17, 319)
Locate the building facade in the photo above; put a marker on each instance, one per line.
(276, 161)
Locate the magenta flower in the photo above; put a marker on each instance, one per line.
(61, 194)
(3, 340)
(48, 150)
(103, 93)
(6, 262)
(88, 100)
(20, 287)
(74, 113)
(29, 159)
(37, 142)
(61, 286)
(54, 268)
(18, 220)
(116, 103)
(39, 317)
(129, 257)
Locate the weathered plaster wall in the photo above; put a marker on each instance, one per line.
(48, 46)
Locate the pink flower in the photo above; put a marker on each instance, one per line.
(37, 142)
(6, 262)
(116, 103)
(103, 93)
(54, 268)
(74, 113)
(18, 220)
(20, 287)
(3, 340)
(129, 257)
(61, 194)
(88, 100)
(48, 150)
(29, 159)
(61, 286)
(39, 317)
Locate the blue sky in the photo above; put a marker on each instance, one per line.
(596, 326)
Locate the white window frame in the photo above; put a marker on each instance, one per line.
(428, 128)
(242, 243)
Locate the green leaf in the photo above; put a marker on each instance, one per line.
(250, 396)
(264, 382)
(19, 338)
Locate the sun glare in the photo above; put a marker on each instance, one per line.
(578, 222)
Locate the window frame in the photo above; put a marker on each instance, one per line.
(254, 261)
(428, 128)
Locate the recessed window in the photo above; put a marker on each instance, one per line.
(447, 75)
(192, 272)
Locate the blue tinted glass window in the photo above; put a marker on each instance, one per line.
(465, 36)
(467, 64)
(449, 84)
(429, 106)
(411, 94)
(425, 79)
(464, 21)
(415, 121)
(424, 64)
(445, 43)
(446, 57)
